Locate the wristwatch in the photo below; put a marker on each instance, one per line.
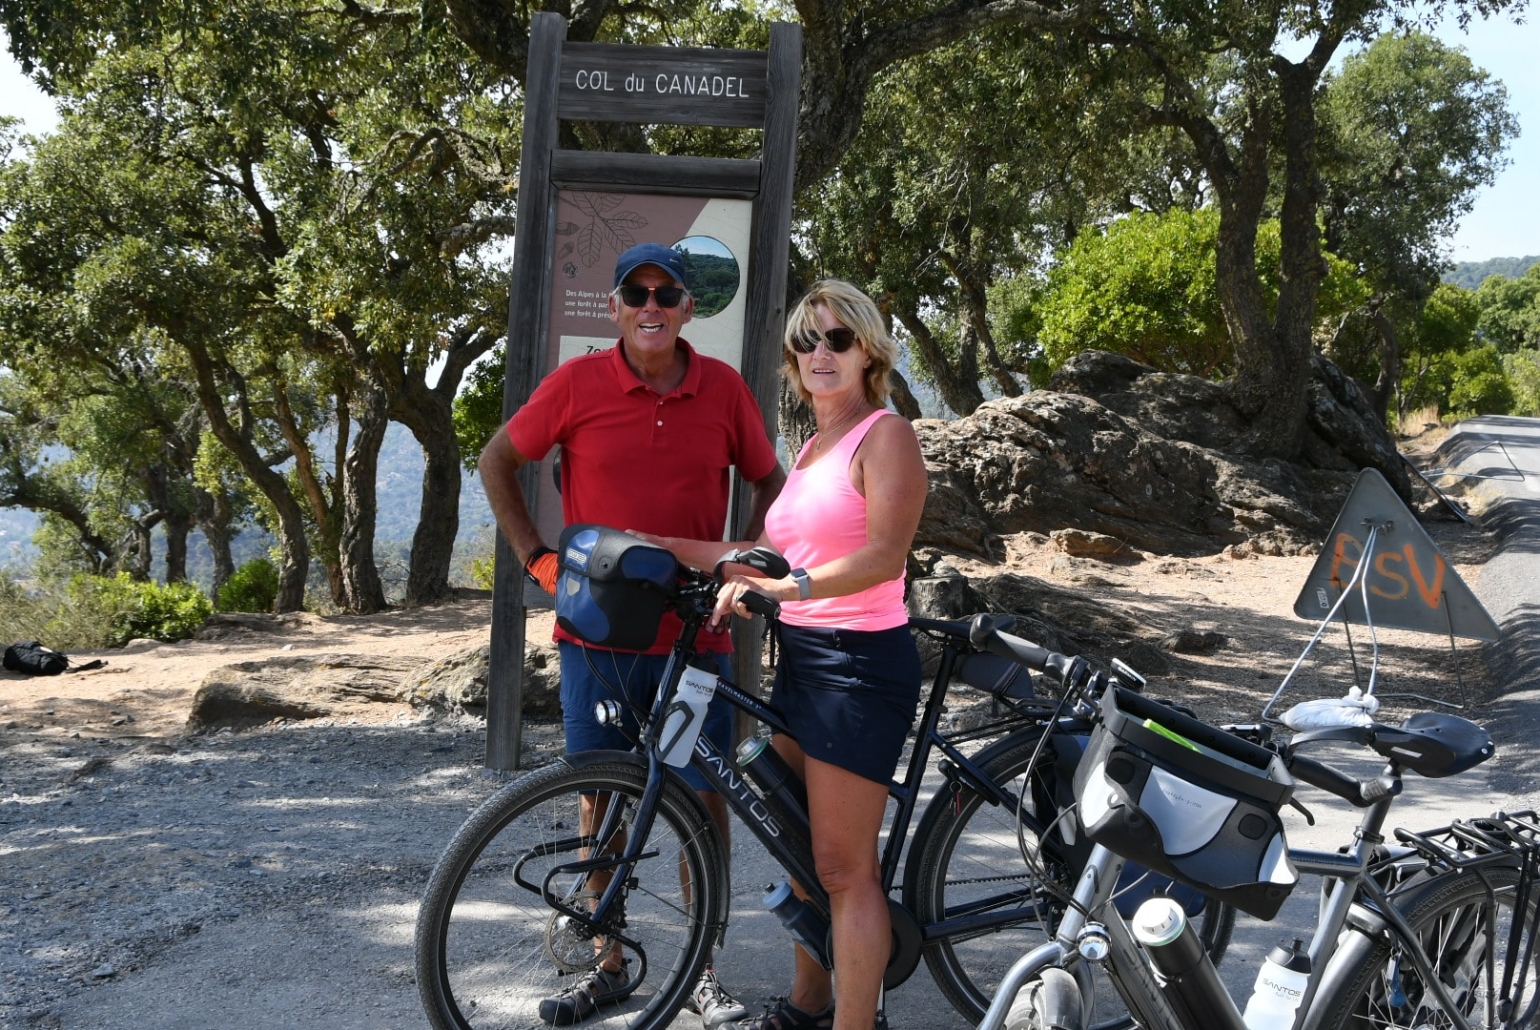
(804, 584)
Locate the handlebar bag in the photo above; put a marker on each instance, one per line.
(612, 587)
(1188, 800)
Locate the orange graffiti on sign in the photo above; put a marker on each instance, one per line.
(1390, 584)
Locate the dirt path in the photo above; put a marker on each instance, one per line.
(149, 878)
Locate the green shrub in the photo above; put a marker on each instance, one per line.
(171, 611)
(483, 572)
(253, 588)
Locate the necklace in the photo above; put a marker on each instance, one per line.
(818, 443)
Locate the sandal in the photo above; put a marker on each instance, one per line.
(781, 1014)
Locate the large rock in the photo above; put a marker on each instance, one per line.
(249, 694)
(1147, 458)
(459, 682)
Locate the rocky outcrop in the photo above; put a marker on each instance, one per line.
(1116, 449)
(459, 682)
(249, 694)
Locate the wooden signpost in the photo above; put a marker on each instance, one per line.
(578, 209)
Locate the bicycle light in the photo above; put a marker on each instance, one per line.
(607, 713)
(1093, 942)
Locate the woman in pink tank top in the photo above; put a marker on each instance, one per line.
(848, 680)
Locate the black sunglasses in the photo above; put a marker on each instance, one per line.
(839, 340)
(636, 296)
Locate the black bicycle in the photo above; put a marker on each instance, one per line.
(521, 898)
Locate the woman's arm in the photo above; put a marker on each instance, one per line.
(699, 554)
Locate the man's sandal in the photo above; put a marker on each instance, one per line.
(781, 1014)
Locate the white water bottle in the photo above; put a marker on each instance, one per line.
(686, 714)
(1279, 989)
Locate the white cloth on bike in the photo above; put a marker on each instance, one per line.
(1327, 713)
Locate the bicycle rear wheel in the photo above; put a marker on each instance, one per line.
(967, 860)
(1379, 986)
(489, 948)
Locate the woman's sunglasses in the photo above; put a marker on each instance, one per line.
(636, 296)
(839, 340)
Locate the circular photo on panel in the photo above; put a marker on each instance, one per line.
(713, 273)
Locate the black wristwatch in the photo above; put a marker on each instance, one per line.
(804, 584)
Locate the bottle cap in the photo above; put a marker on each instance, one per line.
(1159, 921)
(1291, 956)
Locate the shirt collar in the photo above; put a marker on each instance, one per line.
(629, 382)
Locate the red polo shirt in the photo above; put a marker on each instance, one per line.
(634, 460)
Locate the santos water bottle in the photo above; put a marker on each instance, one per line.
(1279, 989)
(686, 713)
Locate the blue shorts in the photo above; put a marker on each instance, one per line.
(638, 675)
(849, 696)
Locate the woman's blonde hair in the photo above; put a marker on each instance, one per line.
(856, 311)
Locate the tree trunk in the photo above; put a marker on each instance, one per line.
(294, 548)
(214, 515)
(427, 581)
(323, 512)
(1390, 364)
(904, 401)
(178, 526)
(959, 385)
(360, 470)
(794, 420)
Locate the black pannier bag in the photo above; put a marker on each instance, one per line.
(32, 658)
(1188, 800)
(612, 587)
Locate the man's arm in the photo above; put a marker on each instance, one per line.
(764, 493)
(499, 466)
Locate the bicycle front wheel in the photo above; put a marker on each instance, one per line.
(490, 948)
(1467, 940)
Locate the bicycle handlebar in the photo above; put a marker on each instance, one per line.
(988, 632)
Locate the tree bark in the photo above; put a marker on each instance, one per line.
(293, 547)
(959, 384)
(360, 470)
(215, 513)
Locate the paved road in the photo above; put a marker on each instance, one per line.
(757, 963)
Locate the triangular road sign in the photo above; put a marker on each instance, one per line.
(1410, 583)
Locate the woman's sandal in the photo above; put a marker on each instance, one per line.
(781, 1014)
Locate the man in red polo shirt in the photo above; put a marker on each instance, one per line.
(650, 432)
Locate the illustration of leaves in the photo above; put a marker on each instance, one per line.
(590, 243)
(595, 204)
(627, 220)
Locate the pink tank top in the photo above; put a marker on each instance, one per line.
(818, 517)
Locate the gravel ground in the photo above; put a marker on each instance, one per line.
(113, 850)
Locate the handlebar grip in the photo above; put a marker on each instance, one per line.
(1318, 774)
(759, 604)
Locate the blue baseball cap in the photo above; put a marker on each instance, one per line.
(666, 258)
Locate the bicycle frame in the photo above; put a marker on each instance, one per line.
(721, 772)
(1349, 883)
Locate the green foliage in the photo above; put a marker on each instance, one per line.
(169, 611)
(478, 408)
(1523, 370)
(1446, 326)
(252, 588)
(1146, 288)
(1468, 383)
(483, 572)
(1510, 311)
(89, 612)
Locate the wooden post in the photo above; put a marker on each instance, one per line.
(650, 85)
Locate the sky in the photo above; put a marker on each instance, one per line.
(1505, 221)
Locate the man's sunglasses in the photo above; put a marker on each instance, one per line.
(838, 339)
(636, 296)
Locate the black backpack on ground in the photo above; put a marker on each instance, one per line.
(33, 659)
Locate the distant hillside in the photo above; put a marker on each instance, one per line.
(1469, 274)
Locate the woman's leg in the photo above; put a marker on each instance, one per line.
(846, 813)
(812, 988)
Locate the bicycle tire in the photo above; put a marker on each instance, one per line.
(1372, 986)
(965, 850)
(488, 949)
